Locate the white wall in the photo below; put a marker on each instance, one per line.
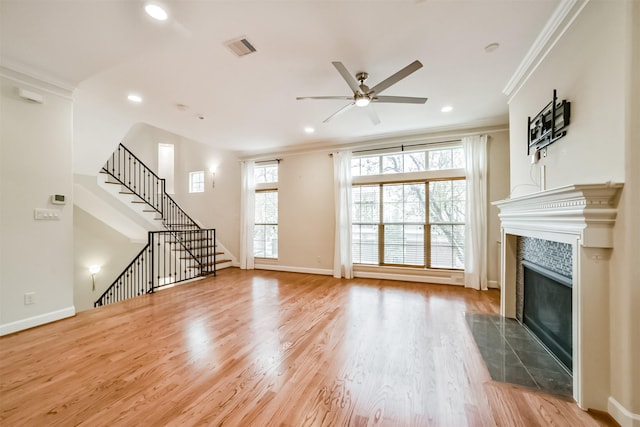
(95, 243)
(625, 277)
(36, 162)
(217, 207)
(305, 212)
(595, 66)
(587, 67)
(498, 189)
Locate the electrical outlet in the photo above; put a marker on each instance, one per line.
(29, 298)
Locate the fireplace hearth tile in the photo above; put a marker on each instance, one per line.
(537, 360)
(524, 343)
(552, 380)
(512, 355)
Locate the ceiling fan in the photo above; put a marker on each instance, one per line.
(363, 95)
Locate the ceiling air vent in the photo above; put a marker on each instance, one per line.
(241, 46)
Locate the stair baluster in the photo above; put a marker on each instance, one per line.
(182, 252)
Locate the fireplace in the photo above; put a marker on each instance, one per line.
(580, 217)
(547, 310)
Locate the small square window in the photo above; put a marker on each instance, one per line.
(196, 182)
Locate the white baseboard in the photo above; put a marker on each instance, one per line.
(407, 278)
(622, 415)
(41, 319)
(493, 284)
(273, 267)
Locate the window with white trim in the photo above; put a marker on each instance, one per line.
(408, 208)
(196, 182)
(265, 235)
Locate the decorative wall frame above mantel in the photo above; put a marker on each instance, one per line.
(549, 125)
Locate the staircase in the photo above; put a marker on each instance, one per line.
(178, 249)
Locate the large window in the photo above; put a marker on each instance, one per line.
(265, 236)
(449, 158)
(414, 218)
(447, 202)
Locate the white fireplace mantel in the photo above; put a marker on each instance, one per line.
(586, 210)
(582, 215)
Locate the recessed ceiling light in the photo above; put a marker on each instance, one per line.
(134, 98)
(491, 47)
(446, 108)
(309, 129)
(156, 12)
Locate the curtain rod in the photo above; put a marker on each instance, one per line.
(403, 146)
(268, 161)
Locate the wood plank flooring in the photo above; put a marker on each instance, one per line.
(264, 348)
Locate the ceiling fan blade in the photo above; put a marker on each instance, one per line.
(340, 111)
(347, 98)
(371, 112)
(414, 66)
(400, 99)
(351, 81)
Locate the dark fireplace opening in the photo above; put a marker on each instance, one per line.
(547, 310)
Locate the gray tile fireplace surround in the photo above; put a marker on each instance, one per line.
(513, 355)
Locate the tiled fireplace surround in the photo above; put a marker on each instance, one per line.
(581, 216)
(553, 256)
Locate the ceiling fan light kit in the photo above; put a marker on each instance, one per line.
(362, 100)
(363, 95)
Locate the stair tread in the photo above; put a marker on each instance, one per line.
(182, 249)
(222, 261)
(202, 256)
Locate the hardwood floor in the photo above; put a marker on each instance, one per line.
(269, 349)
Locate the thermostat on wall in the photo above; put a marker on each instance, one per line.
(58, 199)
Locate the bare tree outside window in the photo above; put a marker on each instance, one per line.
(408, 220)
(265, 232)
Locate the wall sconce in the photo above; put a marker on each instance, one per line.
(94, 269)
(212, 169)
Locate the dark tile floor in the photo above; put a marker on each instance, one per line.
(512, 355)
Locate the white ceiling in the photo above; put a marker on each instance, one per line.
(110, 48)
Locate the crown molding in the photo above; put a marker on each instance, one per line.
(433, 135)
(556, 26)
(24, 75)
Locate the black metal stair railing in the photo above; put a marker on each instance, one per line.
(133, 281)
(182, 252)
(170, 257)
(138, 179)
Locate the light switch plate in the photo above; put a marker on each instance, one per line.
(46, 214)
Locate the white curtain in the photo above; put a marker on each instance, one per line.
(247, 215)
(475, 247)
(342, 264)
